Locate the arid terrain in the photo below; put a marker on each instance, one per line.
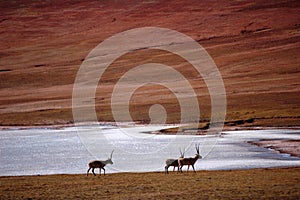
(237, 184)
(255, 45)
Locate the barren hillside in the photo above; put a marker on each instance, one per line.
(255, 44)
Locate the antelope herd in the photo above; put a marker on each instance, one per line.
(179, 163)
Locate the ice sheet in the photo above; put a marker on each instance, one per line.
(68, 150)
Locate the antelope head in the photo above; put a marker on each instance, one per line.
(198, 152)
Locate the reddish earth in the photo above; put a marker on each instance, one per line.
(291, 147)
(255, 45)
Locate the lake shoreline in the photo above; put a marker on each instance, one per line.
(226, 127)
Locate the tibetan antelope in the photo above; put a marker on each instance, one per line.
(99, 164)
(189, 161)
(173, 162)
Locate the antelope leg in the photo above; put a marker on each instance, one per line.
(93, 171)
(87, 173)
(193, 168)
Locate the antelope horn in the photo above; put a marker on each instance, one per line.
(111, 154)
(182, 153)
(197, 148)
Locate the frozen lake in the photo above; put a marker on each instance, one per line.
(69, 149)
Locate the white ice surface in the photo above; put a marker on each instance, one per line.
(68, 150)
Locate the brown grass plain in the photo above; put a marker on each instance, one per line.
(235, 184)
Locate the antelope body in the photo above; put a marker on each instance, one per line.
(173, 162)
(99, 164)
(189, 161)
